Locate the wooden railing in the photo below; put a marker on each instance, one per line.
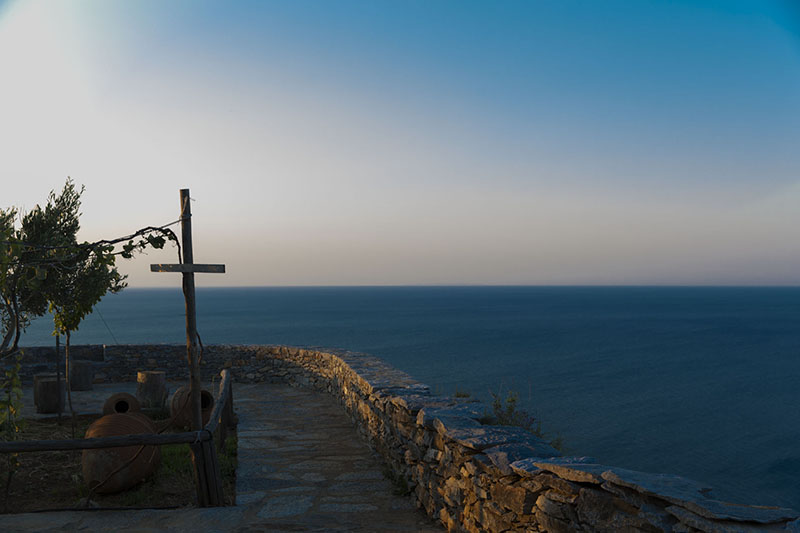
(208, 480)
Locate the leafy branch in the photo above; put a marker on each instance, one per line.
(43, 266)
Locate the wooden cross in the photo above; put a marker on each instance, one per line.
(203, 478)
(188, 269)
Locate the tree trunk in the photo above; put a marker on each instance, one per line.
(69, 393)
(58, 373)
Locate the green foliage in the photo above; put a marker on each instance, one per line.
(11, 400)
(506, 412)
(228, 459)
(44, 267)
(42, 261)
(154, 240)
(400, 486)
(13, 312)
(81, 275)
(10, 424)
(176, 459)
(462, 393)
(48, 241)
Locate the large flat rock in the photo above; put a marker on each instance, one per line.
(690, 495)
(530, 466)
(675, 489)
(445, 424)
(578, 469)
(414, 401)
(471, 410)
(482, 437)
(503, 455)
(691, 519)
(717, 510)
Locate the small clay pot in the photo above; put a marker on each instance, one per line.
(181, 411)
(121, 402)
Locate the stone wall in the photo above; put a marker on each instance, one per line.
(472, 477)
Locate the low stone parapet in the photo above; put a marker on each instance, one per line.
(471, 476)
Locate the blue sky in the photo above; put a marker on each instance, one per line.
(421, 142)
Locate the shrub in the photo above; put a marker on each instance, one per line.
(505, 412)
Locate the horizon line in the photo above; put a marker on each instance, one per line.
(482, 285)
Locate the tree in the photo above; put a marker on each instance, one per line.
(36, 257)
(44, 267)
(19, 300)
(80, 277)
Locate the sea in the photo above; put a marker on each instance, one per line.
(702, 382)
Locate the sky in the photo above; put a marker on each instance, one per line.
(418, 142)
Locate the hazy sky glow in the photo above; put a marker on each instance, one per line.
(350, 143)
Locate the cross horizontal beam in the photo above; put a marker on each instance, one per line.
(186, 268)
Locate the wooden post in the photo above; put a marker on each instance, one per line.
(215, 494)
(225, 418)
(200, 470)
(191, 313)
(207, 480)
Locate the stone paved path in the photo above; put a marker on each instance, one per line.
(301, 461)
(302, 467)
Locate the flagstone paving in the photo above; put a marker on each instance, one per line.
(302, 467)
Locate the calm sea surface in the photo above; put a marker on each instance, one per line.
(701, 382)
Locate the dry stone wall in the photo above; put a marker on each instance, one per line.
(472, 477)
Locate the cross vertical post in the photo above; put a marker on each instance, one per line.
(191, 312)
(206, 469)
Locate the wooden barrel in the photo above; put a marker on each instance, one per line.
(111, 470)
(49, 394)
(81, 375)
(151, 389)
(121, 402)
(36, 379)
(180, 407)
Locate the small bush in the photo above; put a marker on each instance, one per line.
(400, 485)
(228, 459)
(505, 412)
